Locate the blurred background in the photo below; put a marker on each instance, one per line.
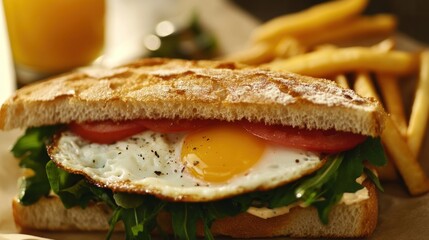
(413, 15)
(47, 36)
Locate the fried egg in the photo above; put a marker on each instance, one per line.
(209, 164)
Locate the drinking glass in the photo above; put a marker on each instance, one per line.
(52, 36)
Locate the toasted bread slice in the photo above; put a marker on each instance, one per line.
(355, 220)
(166, 88)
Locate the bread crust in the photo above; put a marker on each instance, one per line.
(171, 88)
(355, 220)
(50, 214)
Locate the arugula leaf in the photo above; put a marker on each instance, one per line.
(374, 179)
(324, 207)
(184, 217)
(72, 189)
(308, 190)
(30, 149)
(207, 231)
(104, 195)
(209, 212)
(326, 187)
(140, 221)
(344, 180)
(134, 229)
(127, 200)
(33, 141)
(278, 197)
(372, 150)
(31, 189)
(116, 217)
(350, 170)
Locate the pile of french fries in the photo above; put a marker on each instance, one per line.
(309, 43)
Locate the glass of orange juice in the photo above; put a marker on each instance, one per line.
(53, 36)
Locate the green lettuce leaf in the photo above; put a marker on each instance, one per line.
(116, 217)
(30, 149)
(374, 178)
(311, 189)
(127, 200)
(141, 221)
(184, 218)
(372, 151)
(72, 189)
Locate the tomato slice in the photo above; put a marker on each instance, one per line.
(106, 132)
(174, 125)
(325, 141)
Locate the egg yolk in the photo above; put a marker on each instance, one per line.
(218, 153)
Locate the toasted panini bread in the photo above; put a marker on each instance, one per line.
(163, 88)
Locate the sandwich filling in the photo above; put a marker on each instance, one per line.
(197, 170)
(206, 165)
(347, 198)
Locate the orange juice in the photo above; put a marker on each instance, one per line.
(51, 36)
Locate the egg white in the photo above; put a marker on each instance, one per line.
(149, 163)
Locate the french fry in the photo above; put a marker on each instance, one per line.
(341, 80)
(406, 162)
(334, 61)
(364, 86)
(289, 47)
(385, 45)
(325, 46)
(309, 20)
(363, 26)
(420, 109)
(255, 54)
(391, 93)
(262, 52)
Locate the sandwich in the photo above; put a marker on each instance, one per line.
(195, 148)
